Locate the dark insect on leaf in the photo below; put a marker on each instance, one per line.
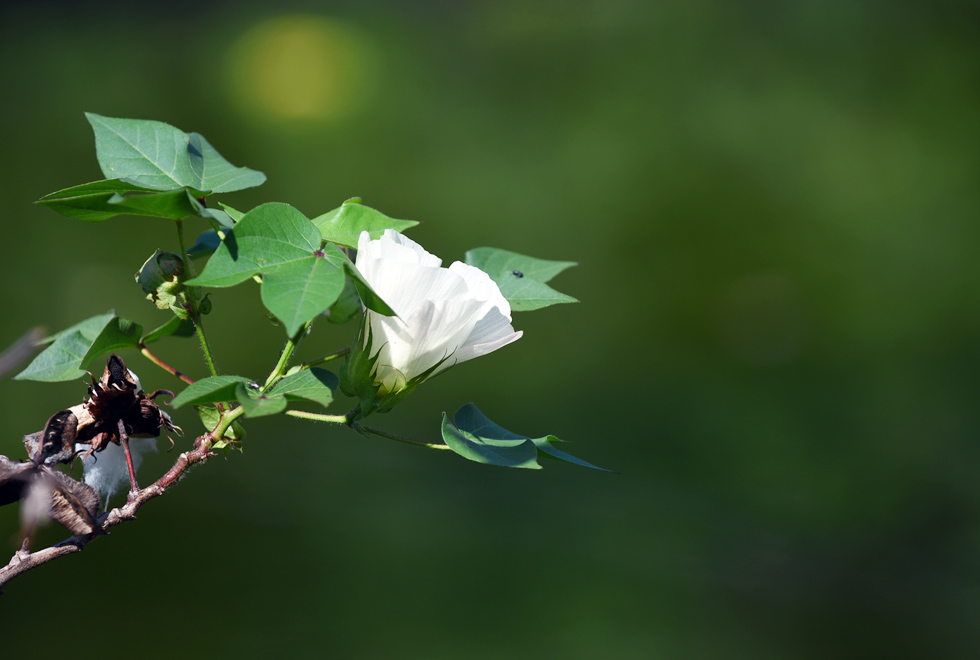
(517, 273)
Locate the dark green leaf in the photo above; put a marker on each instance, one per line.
(209, 390)
(259, 405)
(101, 200)
(344, 225)
(521, 278)
(314, 384)
(347, 306)
(158, 156)
(205, 244)
(505, 452)
(174, 326)
(479, 439)
(62, 360)
(119, 333)
(370, 299)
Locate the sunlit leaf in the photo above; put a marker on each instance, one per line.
(314, 384)
(158, 156)
(62, 360)
(344, 225)
(521, 278)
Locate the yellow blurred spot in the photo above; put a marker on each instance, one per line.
(299, 67)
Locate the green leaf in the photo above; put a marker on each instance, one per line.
(299, 291)
(158, 156)
(347, 305)
(544, 447)
(209, 390)
(90, 327)
(175, 327)
(259, 405)
(233, 435)
(215, 173)
(300, 281)
(206, 243)
(235, 216)
(100, 200)
(521, 278)
(267, 236)
(119, 333)
(370, 299)
(344, 225)
(62, 360)
(314, 384)
(506, 452)
(479, 439)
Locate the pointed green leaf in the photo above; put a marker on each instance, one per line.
(119, 333)
(100, 200)
(174, 326)
(268, 236)
(214, 172)
(495, 262)
(235, 216)
(521, 278)
(370, 299)
(314, 384)
(158, 156)
(62, 360)
(519, 452)
(344, 225)
(209, 390)
(90, 327)
(259, 405)
(545, 447)
(479, 439)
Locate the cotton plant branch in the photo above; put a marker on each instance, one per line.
(24, 560)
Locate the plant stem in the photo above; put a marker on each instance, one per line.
(192, 299)
(326, 358)
(284, 357)
(227, 418)
(317, 417)
(392, 436)
(163, 365)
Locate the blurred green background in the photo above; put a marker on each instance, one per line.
(775, 210)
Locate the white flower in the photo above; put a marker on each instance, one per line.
(445, 315)
(106, 471)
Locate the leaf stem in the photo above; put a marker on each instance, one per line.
(227, 418)
(317, 417)
(284, 357)
(392, 436)
(163, 365)
(326, 358)
(192, 298)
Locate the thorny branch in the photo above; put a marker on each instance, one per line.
(24, 560)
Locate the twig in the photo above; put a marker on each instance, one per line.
(23, 560)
